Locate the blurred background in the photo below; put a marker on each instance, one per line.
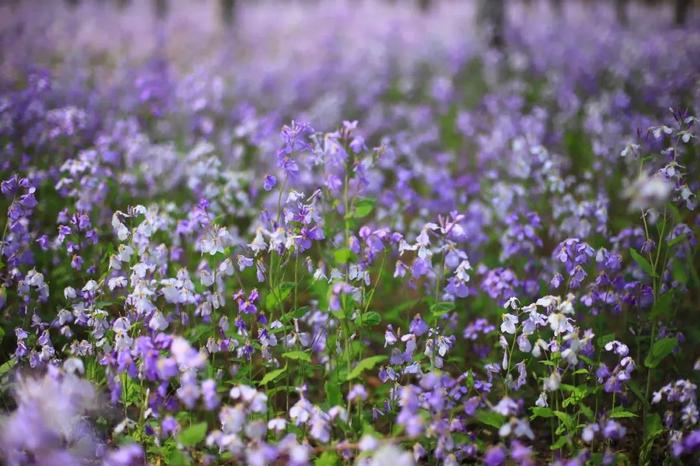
(323, 60)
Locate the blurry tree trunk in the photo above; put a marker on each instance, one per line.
(556, 5)
(495, 16)
(682, 7)
(621, 11)
(228, 11)
(424, 5)
(160, 8)
(72, 3)
(121, 4)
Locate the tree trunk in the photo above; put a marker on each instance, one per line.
(621, 11)
(682, 7)
(556, 6)
(228, 11)
(495, 16)
(160, 8)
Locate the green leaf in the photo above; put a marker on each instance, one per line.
(272, 375)
(620, 412)
(363, 208)
(369, 319)
(198, 333)
(327, 458)
(566, 419)
(652, 425)
(605, 339)
(277, 296)
(470, 379)
(193, 434)
(342, 256)
(442, 308)
(177, 458)
(2, 334)
(643, 263)
(559, 444)
(588, 412)
(365, 364)
(676, 240)
(297, 356)
(652, 429)
(333, 393)
(9, 364)
(634, 388)
(297, 313)
(675, 213)
(659, 350)
(662, 307)
(490, 418)
(541, 412)
(678, 271)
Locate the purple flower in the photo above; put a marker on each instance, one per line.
(211, 399)
(494, 456)
(418, 326)
(269, 183)
(613, 430)
(357, 391)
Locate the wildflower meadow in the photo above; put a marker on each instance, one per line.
(368, 232)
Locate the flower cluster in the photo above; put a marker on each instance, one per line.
(347, 233)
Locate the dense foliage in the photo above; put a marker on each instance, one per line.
(348, 233)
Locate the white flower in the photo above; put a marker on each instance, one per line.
(116, 282)
(461, 272)
(300, 413)
(509, 323)
(214, 241)
(540, 345)
(226, 267)
(589, 432)
(232, 419)
(158, 322)
(390, 455)
(69, 292)
(506, 407)
(277, 424)
(124, 253)
(512, 303)
(505, 430)
(559, 323)
(368, 443)
(648, 191)
(630, 149)
(523, 429)
(206, 277)
(90, 286)
(548, 301)
(542, 400)
(552, 382)
(121, 229)
(258, 243)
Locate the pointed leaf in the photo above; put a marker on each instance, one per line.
(365, 364)
(297, 356)
(659, 350)
(643, 263)
(272, 375)
(193, 434)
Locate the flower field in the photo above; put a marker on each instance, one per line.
(348, 233)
